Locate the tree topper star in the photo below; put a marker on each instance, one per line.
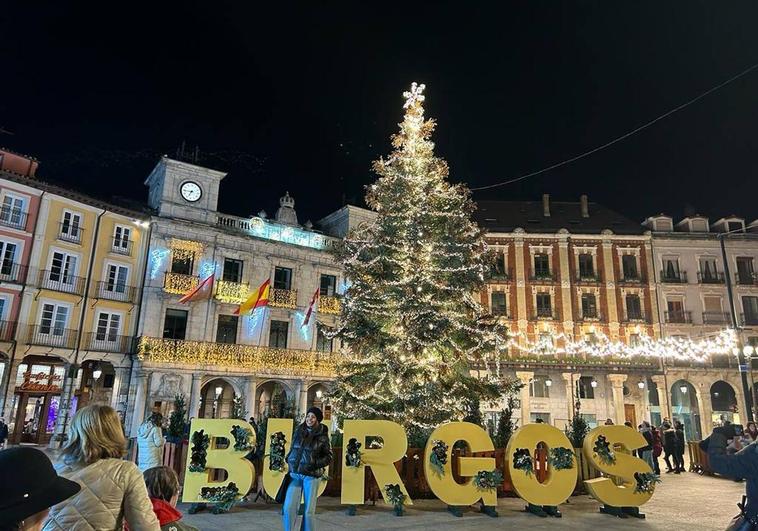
(415, 95)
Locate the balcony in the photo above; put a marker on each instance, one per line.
(116, 292)
(679, 316)
(749, 319)
(677, 277)
(716, 318)
(330, 305)
(710, 277)
(8, 330)
(179, 284)
(498, 277)
(635, 317)
(499, 311)
(15, 273)
(588, 278)
(232, 292)
(544, 277)
(13, 218)
(589, 316)
(283, 298)
(68, 232)
(746, 279)
(545, 314)
(51, 336)
(121, 246)
(104, 342)
(59, 281)
(631, 279)
(249, 358)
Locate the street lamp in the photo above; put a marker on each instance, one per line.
(593, 383)
(683, 388)
(548, 382)
(319, 394)
(748, 350)
(219, 390)
(97, 373)
(641, 384)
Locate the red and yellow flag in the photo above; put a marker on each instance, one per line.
(256, 299)
(202, 292)
(311, 307)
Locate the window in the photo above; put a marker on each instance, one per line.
(590, 338)
(633, 307)
(498, 266)
(71, 226)
(328, 285)
(708, 269)
(676, 313)
(586, 391)
(3, 307)
(121, 238)
(175, 324)
(590, 419)
(116, 276)
(12, 211)
(7, 258)
(498, 306)
(589, 306)
(586, 267)
(63, 268)
(750, 306)
(232, 270)
(538, 387)
(108, 326)
(713, 312)
(182, 262)
(745, 270)
(54, 319)
(735, 226)
(541, 265)
(277, 337)
(226, 332)
(629, 267)
(544, 417)
(634, 340)
(546, 339)
(323, 343)
(282, 278)
(671, 268)
(543, 305)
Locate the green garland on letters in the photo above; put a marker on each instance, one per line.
(645, 482)
(522, 460)
(603, 450)
(223, 497)
(488, 480)
(276, 452)
(242, 438)
(199, 452)
(561, 458)
(438, 457)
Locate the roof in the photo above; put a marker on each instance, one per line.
(505, 216)
(132, 210)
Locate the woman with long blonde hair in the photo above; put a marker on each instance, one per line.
(113, 490)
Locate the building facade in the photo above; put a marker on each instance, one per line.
(74, 266)
(271, 360)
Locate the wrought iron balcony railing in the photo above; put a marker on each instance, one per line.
(69, 232)
(330, 305)
(283, 298)
(716, 318)
(749, 319)
(13, 217)
(496, 277)
(679, 317)
(747, 278)
(114, 291)
(51, 336)
(590, 278)
(179, 284)
(232, 292)
(105, 342)
(707, 277)
(249, 357)
(8, 330)
(15, 273)
(543, 276)
(545, 314)
(631, 279)
(635, 317)
(122, 246)
(60, 281)
(677, 277)
(589, 316)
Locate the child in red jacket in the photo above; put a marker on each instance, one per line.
(163, 489)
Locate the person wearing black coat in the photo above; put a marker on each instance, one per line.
(669, 446)
(310, 453)
(679, 448)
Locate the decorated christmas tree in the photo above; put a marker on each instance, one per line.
(177, 422)
(411, 322)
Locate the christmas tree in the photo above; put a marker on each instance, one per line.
(412, 325)
(505, 425)
(177, 422)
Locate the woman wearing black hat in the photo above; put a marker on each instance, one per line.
(25, 500)
(310, 453)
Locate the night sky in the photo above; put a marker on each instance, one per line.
(304, 97)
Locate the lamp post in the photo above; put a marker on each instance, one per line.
(217, 401)
(746, 389)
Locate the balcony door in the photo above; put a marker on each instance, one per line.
(63, 268)
(53, 320)
(745, 269)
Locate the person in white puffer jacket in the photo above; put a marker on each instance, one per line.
(150, 443)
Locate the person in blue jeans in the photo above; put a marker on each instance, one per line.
(310, 453)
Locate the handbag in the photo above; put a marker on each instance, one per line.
(741, 522)
(282, 492)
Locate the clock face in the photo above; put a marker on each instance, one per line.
(191, 191)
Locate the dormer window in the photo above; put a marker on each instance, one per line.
(735, 226)
(663, 225)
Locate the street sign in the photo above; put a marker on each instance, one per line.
(743, 367)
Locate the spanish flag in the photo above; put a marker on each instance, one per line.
(256, 299)
(202, 292)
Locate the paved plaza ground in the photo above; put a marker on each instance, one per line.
(682, 502)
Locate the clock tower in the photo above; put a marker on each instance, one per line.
(182, 190)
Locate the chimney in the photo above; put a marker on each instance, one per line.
(585, 207)
(546, 205)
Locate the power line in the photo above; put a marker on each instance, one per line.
(622, 137)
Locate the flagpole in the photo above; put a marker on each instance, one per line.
(263, 319)
(210, 299)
